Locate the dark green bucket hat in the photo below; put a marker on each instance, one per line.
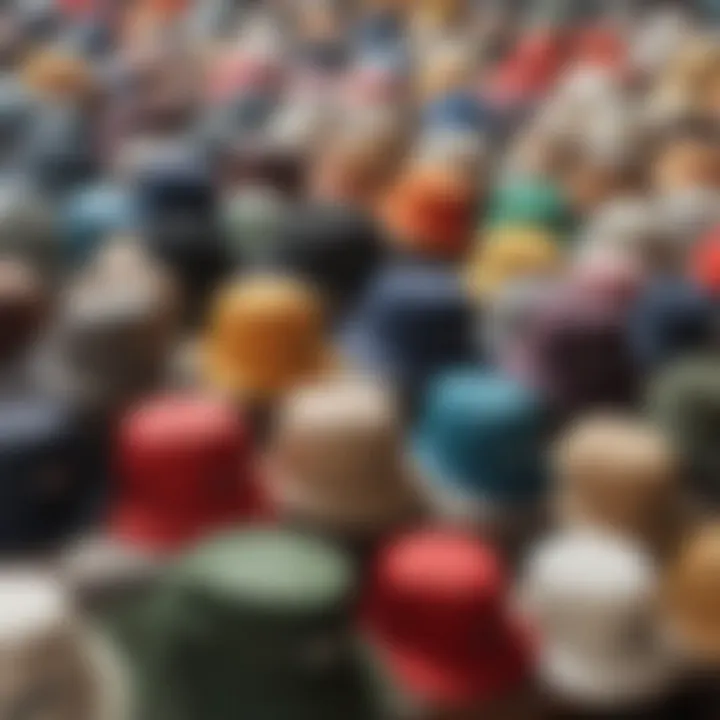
(256, 624)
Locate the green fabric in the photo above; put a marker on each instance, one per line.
(684, 400)
(255, 624)
(252, 221)
(533, 203)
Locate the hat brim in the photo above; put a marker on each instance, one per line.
(227, 378)
(615, 681)
(443, 683)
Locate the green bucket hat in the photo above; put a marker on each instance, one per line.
(684, 400)
(255, 624)
(531, 202)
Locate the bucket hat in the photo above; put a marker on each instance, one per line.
(337, 249)
(52, 474)
(690, 598)
(531, 202)
(28, 230)
(91, 216)
(577, 355)
(430, 213)
(110, 341)
(437, 616)
(511, 253)
(62, 670)
(672, 318)
(337, 461)
(592, 598)
(266, 335)
(620, 474)
(462, 441)
(256, 624)
(704, 262)
(412, 323)
(185, 468)
(684, 400)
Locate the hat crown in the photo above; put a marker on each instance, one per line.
(484, 433)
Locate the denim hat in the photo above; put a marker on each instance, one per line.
(459, 111)
(51, 474)
(672, 318)
(336, 248)
(479, 438)
(531, 202)
(412, 323)
(577, 353)
(93, 215)
(684, 400)
(255, 624)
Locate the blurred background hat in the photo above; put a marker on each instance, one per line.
(508, 254)
(412, 323)
(52, 474)
(619, 474)
(253, 623)
(266, 335)
(58, 76)
(337, 461)
(437, 616)
(62, 670)
(592, 598)
(335, 248)
(430, 213)
(704, 262)
(671, 319)
(690, 600)
(185, 468)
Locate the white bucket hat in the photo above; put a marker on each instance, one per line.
(592, 597)
(52, 666)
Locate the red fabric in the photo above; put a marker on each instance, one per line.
(437, 612)
(186, 468)
(705, 261)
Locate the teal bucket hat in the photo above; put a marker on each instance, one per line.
(531, 202)
(255, 624)
(479, 438)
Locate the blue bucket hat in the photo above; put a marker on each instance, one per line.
(458, 111)
(479, 436)
(51, 474)
(413, 322)
(93, 215)
(671, 318)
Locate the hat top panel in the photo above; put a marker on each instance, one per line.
(278, 571)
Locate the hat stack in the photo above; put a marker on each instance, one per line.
(592, 598)
(337, 462)
(438, 619)
(266, 336)
(60, 669)
(256, 624)
(620, 474)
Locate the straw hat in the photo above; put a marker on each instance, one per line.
(57, 75)
(337, 460)
(266, 335)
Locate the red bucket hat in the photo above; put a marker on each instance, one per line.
(705, 261)
(185, 467)
(438, 616)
